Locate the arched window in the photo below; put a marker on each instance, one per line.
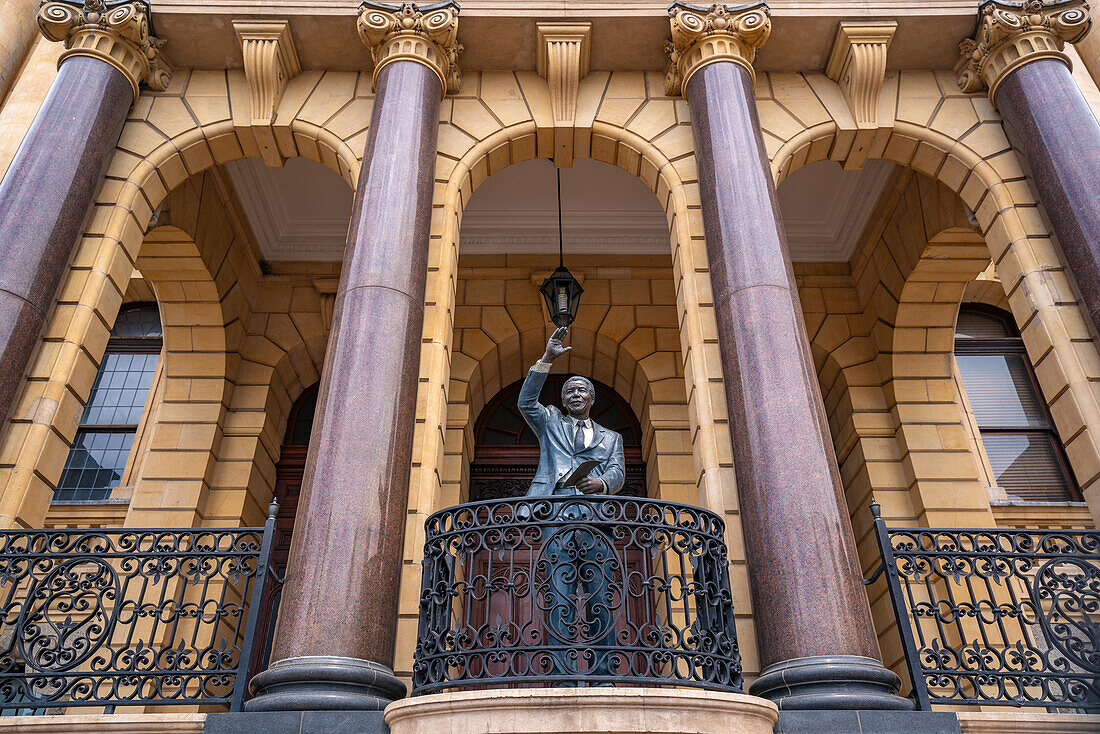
(299, 424)
(506, 451)
(111, 415)
(1024, 452)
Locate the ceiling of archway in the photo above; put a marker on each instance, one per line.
(297, 212)
(301, 211)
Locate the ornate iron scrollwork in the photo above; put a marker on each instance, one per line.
(575, 591)
(1002, 617)
(109, 617)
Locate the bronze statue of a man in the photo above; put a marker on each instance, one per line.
(578, 593)
(568, 440)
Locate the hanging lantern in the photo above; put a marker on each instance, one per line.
(563, 295)
(561, 290)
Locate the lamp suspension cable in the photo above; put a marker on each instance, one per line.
(561, 239)
(563, 297)
(560, 289)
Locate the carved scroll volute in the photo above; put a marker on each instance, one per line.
(858, 65)
(118, 33)
(406, 32)
(270, 61)
(702, 35)
(564, 50)
(1010, 35)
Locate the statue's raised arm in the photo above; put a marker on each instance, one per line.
(569, 437)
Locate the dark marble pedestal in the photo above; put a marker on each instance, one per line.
(816, 640)
(1049, 122)
(300, 722)
(867, 722)
(790, 722)
(45, 197)
(338, 619)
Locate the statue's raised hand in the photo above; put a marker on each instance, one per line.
(554, 348)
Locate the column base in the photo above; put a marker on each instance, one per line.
(831, 682)
(323, 683)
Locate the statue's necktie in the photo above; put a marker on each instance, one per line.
(578, 439)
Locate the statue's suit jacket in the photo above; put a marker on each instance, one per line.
(555, 433)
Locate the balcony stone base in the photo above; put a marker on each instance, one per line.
(583, 711)
(1027, 722)
(105, 723)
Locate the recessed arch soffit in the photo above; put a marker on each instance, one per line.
(300, 211)
(325, 117)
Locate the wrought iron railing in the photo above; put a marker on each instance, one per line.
(128, 616)
(996, 617)
(575, 591)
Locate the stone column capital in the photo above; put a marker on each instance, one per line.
(118, 32)
(426, 35)
(1012, 34)
(703, 35)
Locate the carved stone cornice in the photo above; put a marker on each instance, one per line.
(327, 288)
(270, 61)
(858, 65)
(1010, 35)
(705, 35)
(427, 35)
(564, 51)
(118, 32)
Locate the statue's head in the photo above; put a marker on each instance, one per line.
(578, 395)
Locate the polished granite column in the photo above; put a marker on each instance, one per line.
(334, 644)
(50, 187)
(1018, 57)
(817, 645)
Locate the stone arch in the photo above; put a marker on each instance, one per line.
(922, 384)
(196, 285)
(199, 122)
(868, 455)
(986, 290)
(624, 119)
(634, 348)
(185, 421)
(259, 413)
(957, 140)
(917, 229)
(637, 368)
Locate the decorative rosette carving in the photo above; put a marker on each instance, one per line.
(118, 32)
(1010, 35)
(407, 32)
(704, 35)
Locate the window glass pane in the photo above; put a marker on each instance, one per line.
(143, 321)
(120, 388)
(95, 464)
(97, 458)
(977, 325)
(303, 422)
(493, 437)
(507, 420)
(1026, 466)
(1000, 391)
(608, 415)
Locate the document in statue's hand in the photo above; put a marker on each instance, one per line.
(580, 473)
